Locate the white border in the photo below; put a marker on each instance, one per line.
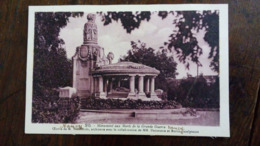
(209, 131)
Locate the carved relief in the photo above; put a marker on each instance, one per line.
(89, 53)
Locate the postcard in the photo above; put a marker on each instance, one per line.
(128, 70)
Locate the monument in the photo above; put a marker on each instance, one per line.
(94, 74)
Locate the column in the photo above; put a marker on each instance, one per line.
(141, 93)
(105, 85)
(111, 85)
(152, 84)
(153, 95)
(95, 84)
(91, 81)
(118, 83)
(100, 93)
(100, 84)
(132, 83)
(147, 86)
(132, 87)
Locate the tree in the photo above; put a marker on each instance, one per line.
(159, 60)
(185, 43)
(195, 92)
(129, 20)
(47, 28)
(182, 41)
(52, 69)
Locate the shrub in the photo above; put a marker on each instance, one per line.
(96, 103)
(55, 110)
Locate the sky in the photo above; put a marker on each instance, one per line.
(113, 38)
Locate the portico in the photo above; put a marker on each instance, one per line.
(109, 78)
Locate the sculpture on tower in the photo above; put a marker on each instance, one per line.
(90, 30)
(88, 56)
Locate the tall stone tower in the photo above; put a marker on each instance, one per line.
(88, 56)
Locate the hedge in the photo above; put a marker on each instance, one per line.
(57, 110)
(96, 103)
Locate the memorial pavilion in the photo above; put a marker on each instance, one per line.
(94, 74)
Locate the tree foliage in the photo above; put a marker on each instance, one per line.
(182, 41)
(52, 69)
(47, 28)
(195, 92)
(186, 44)
(129, 20)
(159, 60)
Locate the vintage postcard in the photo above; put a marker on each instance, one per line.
(128, 70)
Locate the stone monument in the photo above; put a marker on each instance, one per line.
(88, 56)
(94, 74)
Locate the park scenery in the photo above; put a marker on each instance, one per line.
(141, 67)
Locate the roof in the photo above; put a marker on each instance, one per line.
(125, 68)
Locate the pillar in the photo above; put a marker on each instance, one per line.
(132, 83)
(100, 93)
(111, 85)
(141, 93)
(152, 85)
(100, 84)
(118, 83)
(153, 95)
(105, 85)
(131, 94)
(147, 86)
(95, 84)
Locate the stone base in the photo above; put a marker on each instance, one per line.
(67, 92)
(132, 95)
(142, 96)
(101, 95)
(153, 96)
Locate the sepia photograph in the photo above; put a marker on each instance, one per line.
(155, 67)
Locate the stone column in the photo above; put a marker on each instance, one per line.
(131, 94)
(94, 85)
(100, 84)
(141, 93)
(105, 85)
(111, 85)
(100, 93)
(152, 84)
(147, 86)
(118, 83)
(153, 95)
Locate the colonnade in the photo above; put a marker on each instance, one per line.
(146, 86)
